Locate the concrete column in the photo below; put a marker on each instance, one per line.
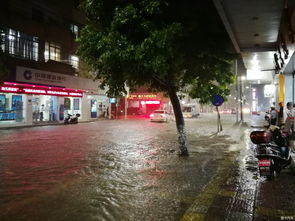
(85, 108)
(28, 110)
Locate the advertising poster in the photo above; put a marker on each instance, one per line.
(17, 106)
(93, 108)
(17, 103)
(2, 102)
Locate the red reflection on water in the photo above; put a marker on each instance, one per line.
(39, 164)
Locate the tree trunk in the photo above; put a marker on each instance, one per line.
(179, 122)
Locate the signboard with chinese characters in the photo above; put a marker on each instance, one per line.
(41, 77)
(42, 91)
(35, 76)
(141, 96)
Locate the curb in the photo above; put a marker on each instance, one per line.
(47, 124)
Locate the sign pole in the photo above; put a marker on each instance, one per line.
(218, 119)
(218, 101)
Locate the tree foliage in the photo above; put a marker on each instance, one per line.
(205, 90)
(153, 42)
(164, 44)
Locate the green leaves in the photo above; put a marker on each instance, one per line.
(158, 43)
(217, 85)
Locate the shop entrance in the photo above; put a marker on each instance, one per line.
(44, 108)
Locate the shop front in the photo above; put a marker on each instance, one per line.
(30, 104)
(143, 104)
(98, 105)
(34, 96)
(12, 107)
(44, 108)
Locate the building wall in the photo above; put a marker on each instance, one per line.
(47, 21)
(50, 21)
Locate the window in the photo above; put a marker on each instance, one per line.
(74, 61)
(75, 30)
(19, 44)
(52, 52)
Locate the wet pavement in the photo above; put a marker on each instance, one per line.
(130, 170)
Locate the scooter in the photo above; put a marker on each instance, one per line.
(70, 119)
(272, 151)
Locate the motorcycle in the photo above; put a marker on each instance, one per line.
(272, 151)
(70, 119)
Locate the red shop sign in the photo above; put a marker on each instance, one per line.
(42, 91)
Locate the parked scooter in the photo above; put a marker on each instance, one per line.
(70, 119)
(272, 151)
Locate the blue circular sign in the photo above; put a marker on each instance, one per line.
(217, 100)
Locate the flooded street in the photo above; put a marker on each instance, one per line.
(117, 170)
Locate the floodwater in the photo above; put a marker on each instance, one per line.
(107, 170)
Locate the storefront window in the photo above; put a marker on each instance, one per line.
(2, 102)
(44, 108)
(93, 108)
(76, 104)
(67, 104)
(11, 107)
(72, 106)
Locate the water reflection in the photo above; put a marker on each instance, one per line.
(107, 170)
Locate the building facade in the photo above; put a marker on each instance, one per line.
(44, 78)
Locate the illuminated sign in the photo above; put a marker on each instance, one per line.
(73, 94)
(31, 75)
(42, 91)
(150, 102)
(9, 89)
(61, 93)
(33, 91)
(141, 96)
(112, 100)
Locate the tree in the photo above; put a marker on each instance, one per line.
(163, 44)
(204, 90)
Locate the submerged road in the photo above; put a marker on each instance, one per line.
(127, 170)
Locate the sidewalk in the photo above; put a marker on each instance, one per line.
(238, 193)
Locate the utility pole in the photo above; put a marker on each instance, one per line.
(237, 90)
(241, 99)
(126, 101)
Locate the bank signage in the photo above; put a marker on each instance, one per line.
(30, 75)
(42, 90)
